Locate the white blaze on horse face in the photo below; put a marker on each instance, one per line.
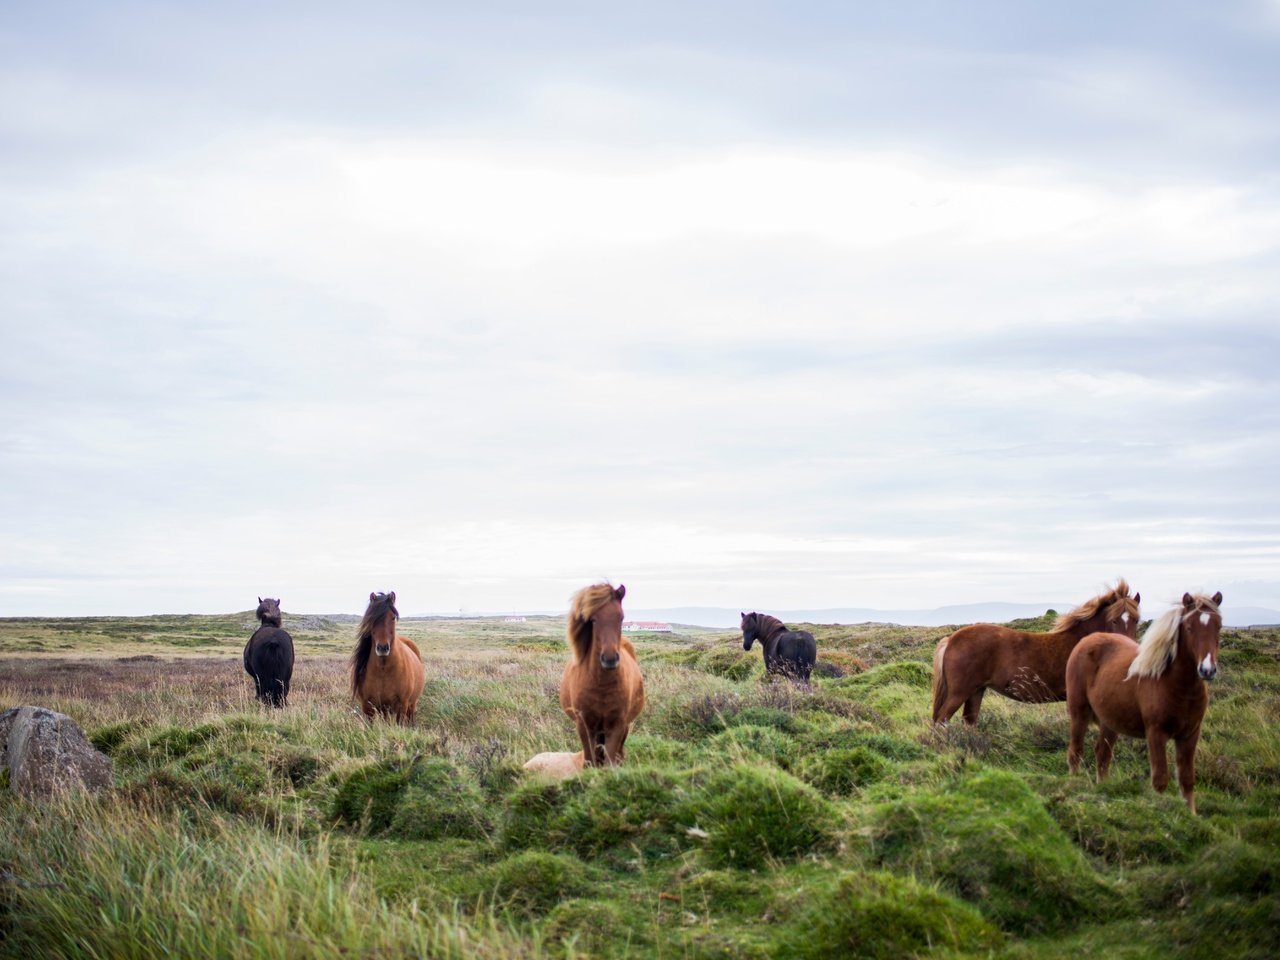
(1124, 617)
(1206, 665)
(1205, 618)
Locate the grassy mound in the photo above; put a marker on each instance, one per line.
(752, 814)
(987, 837)
(879, 916)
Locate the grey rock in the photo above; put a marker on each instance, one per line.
(46, 752)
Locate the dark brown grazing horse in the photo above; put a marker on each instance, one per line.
(1156, 690)
(602, 690)
(387, 675)
(787, 653)
(268, 655)
(1030, 667)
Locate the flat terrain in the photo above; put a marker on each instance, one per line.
(751, 819)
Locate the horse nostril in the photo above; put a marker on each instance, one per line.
(609, 663)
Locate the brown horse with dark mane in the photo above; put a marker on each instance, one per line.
(387, 675)
(1030, 667)
(1154, 690)
(602, 690)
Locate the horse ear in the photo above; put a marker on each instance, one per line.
(620, 592)
(1217, 599)
(259, 599)
(373, 596)
(1137, 598)
(391, 598)
(1188, 600)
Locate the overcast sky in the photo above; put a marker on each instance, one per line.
(756, 305)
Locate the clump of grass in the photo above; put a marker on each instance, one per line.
(879, 916)
(588, 927)
(424, 799)
(987, 837)
(842, 771)
(752, 814)
(1130, 828)
(534, 881)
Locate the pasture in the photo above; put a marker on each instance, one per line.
(750, 819)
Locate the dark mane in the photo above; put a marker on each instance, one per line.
(767, 626)
(377, 610)
(264, 614)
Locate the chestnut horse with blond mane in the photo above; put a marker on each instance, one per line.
(1030, 667)
(1154, 690)
(387, 675)
(602, 690)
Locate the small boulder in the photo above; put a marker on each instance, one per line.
(557, 765)
(45, 752)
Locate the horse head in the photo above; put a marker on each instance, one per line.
(1201, 630)
(750, 629)
(606, 629)
(1122, 614)
(268, 611)
(382, 616)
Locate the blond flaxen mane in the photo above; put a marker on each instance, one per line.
(1113, 604)
(1159, 644)
(582, 608)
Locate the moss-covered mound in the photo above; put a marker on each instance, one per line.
(879, 916)
(425, 799)
(987, 837)
(755, 813)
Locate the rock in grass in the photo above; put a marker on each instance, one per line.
(45, 752)
(558, 765)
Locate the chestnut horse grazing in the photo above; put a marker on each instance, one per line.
(387, 675)
(601, 690)
(789, 653)
(1156, 690)
(1030, 667)
(268, 655)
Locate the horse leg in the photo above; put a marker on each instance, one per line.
(972, 706)
(1080, 714)
(614, 740)
(1158, 754)
(588, 742)
(1184, 752)
(1104, 750)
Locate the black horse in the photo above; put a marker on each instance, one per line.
(268, 656)
(791, 653)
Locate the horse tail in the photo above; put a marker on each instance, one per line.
(939, 676)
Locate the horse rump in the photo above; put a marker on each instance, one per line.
(269, 660)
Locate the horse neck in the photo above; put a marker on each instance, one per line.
(768, 629)
(1183, 670)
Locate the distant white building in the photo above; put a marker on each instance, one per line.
(646, 626)
(516, 620)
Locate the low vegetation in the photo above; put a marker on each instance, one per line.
(751, 819)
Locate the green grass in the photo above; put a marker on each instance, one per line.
(751, 819)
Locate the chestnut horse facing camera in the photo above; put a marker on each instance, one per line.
(1154, 690)
(1030, 667)
(602, 690)
(387, 675)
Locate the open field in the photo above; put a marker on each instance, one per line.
(751, 820)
